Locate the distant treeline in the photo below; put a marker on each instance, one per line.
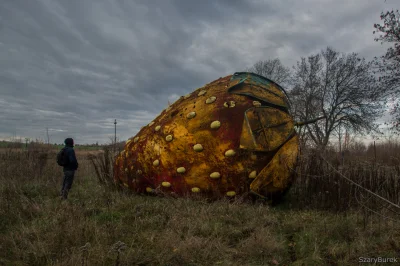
(20, 144)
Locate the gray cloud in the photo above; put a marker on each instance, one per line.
(74, 66)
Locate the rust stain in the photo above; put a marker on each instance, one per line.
(216, 142)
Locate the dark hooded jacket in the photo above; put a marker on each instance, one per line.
(72, 164)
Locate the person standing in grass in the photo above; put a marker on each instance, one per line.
(70, 165)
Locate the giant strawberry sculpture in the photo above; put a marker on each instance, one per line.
(234, 136)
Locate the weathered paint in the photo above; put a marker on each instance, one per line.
(230, 137)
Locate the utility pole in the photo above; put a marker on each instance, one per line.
(47, 134)
(15, 135)
(115, 134)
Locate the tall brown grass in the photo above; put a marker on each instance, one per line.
(320, 183)
(322, 221)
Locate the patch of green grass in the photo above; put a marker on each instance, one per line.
(88, 148)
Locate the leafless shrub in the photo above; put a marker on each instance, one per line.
(103, 165)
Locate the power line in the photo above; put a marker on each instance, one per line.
(55, 123)
(50, 119)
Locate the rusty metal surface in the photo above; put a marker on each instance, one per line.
(265, 129)
(260, 88)
(216, 141)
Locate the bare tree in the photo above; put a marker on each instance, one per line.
(389, 64)
(339, 87)
(273, 70)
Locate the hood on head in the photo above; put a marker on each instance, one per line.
(69, 142)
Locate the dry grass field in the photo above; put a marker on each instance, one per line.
(323, 220)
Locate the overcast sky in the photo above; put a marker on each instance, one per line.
(73, 66)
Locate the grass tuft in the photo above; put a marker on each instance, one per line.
(101, 225)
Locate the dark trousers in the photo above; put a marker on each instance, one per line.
(67, 183)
